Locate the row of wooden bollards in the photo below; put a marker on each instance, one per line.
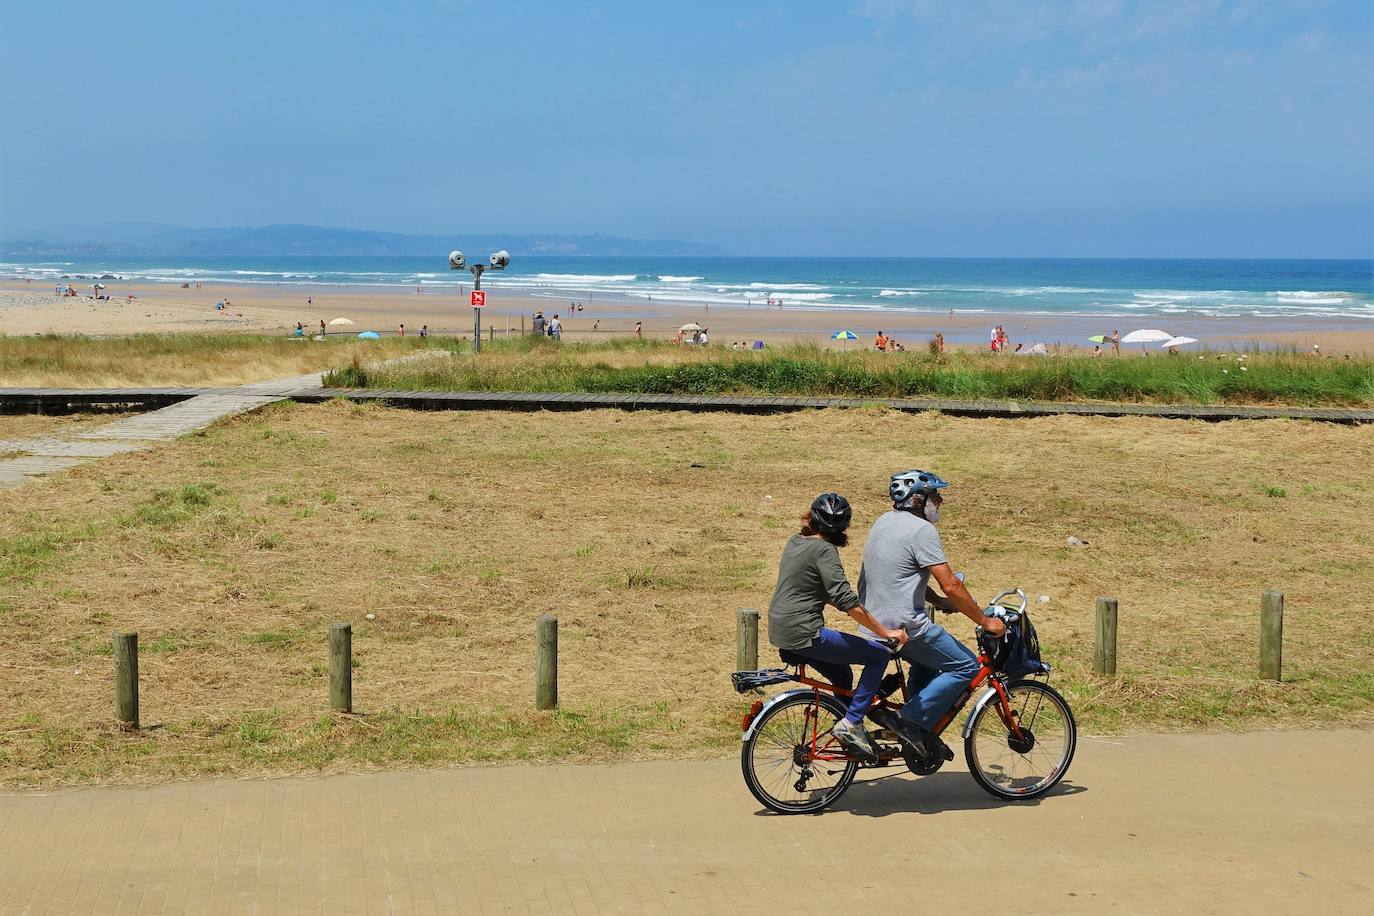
(340, 669)
(746, 655)
(1104, 649)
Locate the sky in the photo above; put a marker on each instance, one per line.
(1090, 128)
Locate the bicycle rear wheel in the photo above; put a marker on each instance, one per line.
(779, 766)
(1027, 765)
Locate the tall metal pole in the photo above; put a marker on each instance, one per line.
(476, 312)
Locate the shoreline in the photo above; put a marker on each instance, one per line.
(28, 309)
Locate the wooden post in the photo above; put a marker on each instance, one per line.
(1104, 655)
(746, 639)
(491, 333)
(546, 662)
(1271, 635)
(126, 678)
(341, 667)
(522, 324)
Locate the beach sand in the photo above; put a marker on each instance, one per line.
(33, 309)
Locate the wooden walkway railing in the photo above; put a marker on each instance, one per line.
(72, 400)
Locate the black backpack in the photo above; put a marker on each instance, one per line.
(1017, 654)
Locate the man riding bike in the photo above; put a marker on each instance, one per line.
(902, 553)
(810, 576)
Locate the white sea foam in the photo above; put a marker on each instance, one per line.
(668, 279)
(586, 278)
(892, 293)
(1315, 300)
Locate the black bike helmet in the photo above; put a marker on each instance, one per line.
(830, 513)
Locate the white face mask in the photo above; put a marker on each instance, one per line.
(931, 511)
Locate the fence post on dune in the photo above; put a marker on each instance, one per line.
(1271, 635)
(341, 667)
(126, 678)
(546, 662)
(1104, 653)
(746, 639)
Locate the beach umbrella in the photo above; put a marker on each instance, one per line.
(1178, 341)
(369, 335)
(844, 335)
(339, 322)
(691, 326)
(1147, 335)
(1098, 339)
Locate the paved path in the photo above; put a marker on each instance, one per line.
(1271, 822)
(43, 455)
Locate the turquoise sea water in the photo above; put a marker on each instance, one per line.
(1049, 286)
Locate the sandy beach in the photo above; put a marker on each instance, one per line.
(27, 308)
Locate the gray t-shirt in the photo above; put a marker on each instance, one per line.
(898, 554)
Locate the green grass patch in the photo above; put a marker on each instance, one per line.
(656, 368)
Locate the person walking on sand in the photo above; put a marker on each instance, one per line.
(639, 330)
(323, 330)
(1003, 341)
(939, 343)
(1116, 342)
(992, 340)
(556, 328)
(880, 342)
(403, 330)
(537, 325)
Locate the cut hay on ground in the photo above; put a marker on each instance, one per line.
(233, 550)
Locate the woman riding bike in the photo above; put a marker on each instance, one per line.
(810, 576)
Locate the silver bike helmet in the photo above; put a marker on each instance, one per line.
(907, 484)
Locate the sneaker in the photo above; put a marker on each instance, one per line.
(855, 740)
(919, 739)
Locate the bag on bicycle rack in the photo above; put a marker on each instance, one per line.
(1017, 654)
(745, 681)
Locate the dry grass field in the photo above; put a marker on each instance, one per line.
(233, 550)
(171, 360)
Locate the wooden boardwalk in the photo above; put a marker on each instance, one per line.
(66, 400)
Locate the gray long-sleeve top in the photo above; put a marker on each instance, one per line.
(810, 576)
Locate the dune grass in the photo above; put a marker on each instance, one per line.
(532, 364)
(232, 551)
(167, 360)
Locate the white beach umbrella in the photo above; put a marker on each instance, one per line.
(1178, 341)
(1147, 335)
(338, 322)
(691, 326)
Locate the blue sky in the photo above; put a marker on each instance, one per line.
(890, 127)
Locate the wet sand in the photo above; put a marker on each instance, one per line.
(33, 309)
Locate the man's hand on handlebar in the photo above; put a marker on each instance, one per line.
(993, 626)
(897, 636)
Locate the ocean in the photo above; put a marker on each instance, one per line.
(1036, 286)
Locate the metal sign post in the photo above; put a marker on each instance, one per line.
(498, 261)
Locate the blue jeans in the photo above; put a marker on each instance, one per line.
(941, 669)
(833, 652)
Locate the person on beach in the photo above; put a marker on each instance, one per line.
(424, 330)
(992, 341)
(1116, 342)
(705, 337)
(939, 343)
(902, 553)
(639, 330)
(537, 325)
(402, 331)
(556, 328)
(1003, 341)
(1097, 351)
(880, 342)
(596, 325)
(810, 576)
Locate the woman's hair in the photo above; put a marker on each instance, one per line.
(838, 538)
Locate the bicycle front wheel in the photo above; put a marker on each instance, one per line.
(1026, 762)
(791, 763)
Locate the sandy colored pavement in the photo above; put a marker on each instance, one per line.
(33, 309)
(1266, 822)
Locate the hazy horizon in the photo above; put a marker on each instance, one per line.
(890, 128)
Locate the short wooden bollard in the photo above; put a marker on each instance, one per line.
(126, 678)
(1271, 635)
(341, 667)
(746, 639)
(546, 662)
(1104, 654)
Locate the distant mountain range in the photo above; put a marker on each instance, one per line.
(139, 239)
